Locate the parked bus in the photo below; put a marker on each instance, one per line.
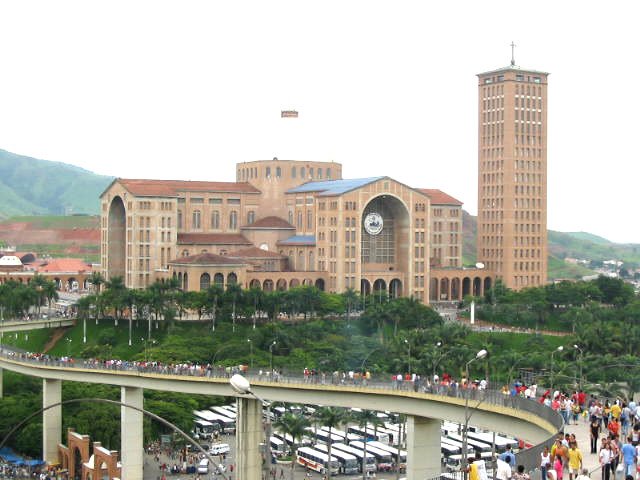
(317, 461)
(383, 458)
(227, 425)
(454, 443)
(348, 463)
(453, 462)
(288, 439)
(359, 454)
(369, 433)
(323, 436)
(205, 429)
(224, 411)
(278, 446)
(477, 445)
(501, 441)
(392, 450)
(447, 449)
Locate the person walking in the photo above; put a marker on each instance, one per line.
(545, 463)
(629, 458)
(575, 460)
(605, 457)
(594, 431)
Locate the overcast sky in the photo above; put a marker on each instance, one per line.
(185, 89)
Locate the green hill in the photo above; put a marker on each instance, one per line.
(29, 186)
(581, 245)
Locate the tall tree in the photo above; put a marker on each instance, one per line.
(296, 426)
(331, 417)
(364, 419)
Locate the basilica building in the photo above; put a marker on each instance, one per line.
(286, 223)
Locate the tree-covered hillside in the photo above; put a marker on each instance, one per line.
(29, 186)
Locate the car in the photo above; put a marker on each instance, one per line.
(203, 466)
(219, 449)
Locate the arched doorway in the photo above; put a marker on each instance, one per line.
(455, 289)
(294, 283)
(307, 282)
(466, 287)
(116, 233)
(487, 284)
(395, 288)
(205, 281)
(267, 285)
(255, 284)
(320, 284)
(281, 285)
(444, 289)
(434, 289)
(232, 278)
(218, 280)
(477, 286)
(185, 282)
(365, 287)
(380, 289)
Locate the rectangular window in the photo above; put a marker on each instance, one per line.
(233, 201)
(215, 201)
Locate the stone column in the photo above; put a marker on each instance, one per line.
(51, 419)
(131, 443)
(423, 448)
(248, 438)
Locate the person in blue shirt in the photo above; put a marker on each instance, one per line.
(629, 457)
(508, 457)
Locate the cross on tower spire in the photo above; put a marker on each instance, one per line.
(513, 60)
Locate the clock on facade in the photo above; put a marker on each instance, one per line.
(373, 223)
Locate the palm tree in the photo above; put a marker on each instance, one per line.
(331, 417)
(350, 298)
(214, 293)
(364, 419)
(234, 292)
(97, 280)
(294, 425)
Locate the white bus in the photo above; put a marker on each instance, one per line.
(205, 429)
(392, 450)
(224, 411)
(369, 433)
(227, 425)
(348, 463)
(477, 445)
(501, 441)
(317, 461)
(278, 446)
(383, 458)
(454, 443)
(359, 454)
(324, 436)
(288, 439)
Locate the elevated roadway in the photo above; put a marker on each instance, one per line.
(526, 419)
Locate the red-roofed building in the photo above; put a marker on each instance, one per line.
(69, 274)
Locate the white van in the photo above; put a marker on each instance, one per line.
(219, 448)
(203, 467)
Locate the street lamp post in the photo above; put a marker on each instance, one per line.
(559, 349)
(479, 356)
(408, 354)
(241, 385)
(250, 352)
(435, 363)
(273, 344)
(68, 346)
(580, 352)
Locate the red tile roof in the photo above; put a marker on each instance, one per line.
(207, 259)
(438, 197)
(271, 222)
(171, 188)
(212, 239)
(64, 265)
(255, 252)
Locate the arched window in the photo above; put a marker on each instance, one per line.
(205, 281)
(195, 223)
(215, 220)
(309, 220)
(319, 173)
(185, 253)
(328, 173)
(278, 172)
(290, 217)
(293, 172)
(232, 278)
(233, 220)
(310, 172)
(268, 175)
(302, 173)
(179, 218)
(251, 217)
(299, 221)
(218, 279)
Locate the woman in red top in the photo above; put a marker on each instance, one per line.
(614, 427)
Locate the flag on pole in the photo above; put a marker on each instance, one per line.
(288, 114)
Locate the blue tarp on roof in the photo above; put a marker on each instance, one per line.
(298, 240)
(334, 187)
(11, 457)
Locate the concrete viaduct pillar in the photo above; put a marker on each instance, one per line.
(51, 419)
(1, 383)
(423, 448)
(131, 443)
(248, 439)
